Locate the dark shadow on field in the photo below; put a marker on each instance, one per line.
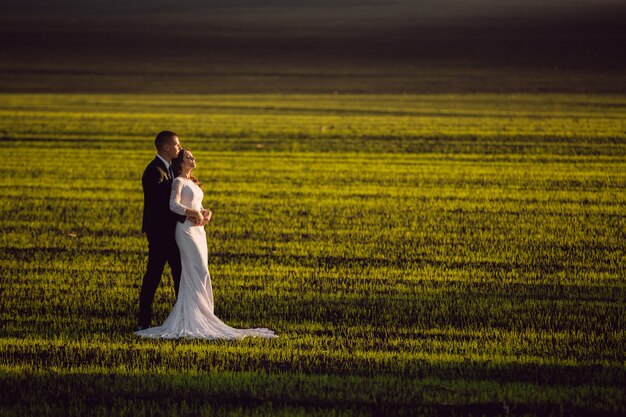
(513, 148)
(48, 254)
(145, 393)
(330, 262)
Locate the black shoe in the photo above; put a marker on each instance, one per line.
(140, 328)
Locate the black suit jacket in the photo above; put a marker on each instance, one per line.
(158, 219)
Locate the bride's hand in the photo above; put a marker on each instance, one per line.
(206, 216)
(203, 221)
(195, 216)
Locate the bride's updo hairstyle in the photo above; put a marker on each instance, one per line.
(177, 167)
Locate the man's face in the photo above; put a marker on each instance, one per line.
(172, 147)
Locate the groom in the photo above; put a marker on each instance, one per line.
(159, 223)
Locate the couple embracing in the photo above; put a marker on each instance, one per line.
(174, 220)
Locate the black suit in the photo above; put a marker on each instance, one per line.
(159, 224)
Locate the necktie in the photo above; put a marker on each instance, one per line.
(171, 172)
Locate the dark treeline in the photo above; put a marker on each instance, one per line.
(247, 49)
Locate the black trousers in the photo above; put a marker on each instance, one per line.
(161, 249)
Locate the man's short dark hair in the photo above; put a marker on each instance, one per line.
(163, 137)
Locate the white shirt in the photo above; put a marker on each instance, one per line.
(167, 164)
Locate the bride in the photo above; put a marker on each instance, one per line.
(192, 315)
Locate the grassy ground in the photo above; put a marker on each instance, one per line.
(417, 255)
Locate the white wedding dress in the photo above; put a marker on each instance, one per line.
(192, 315)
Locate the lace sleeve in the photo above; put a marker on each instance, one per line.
(175, 205)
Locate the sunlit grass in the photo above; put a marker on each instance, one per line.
(429, 250)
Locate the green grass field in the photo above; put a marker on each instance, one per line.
(417, 255)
